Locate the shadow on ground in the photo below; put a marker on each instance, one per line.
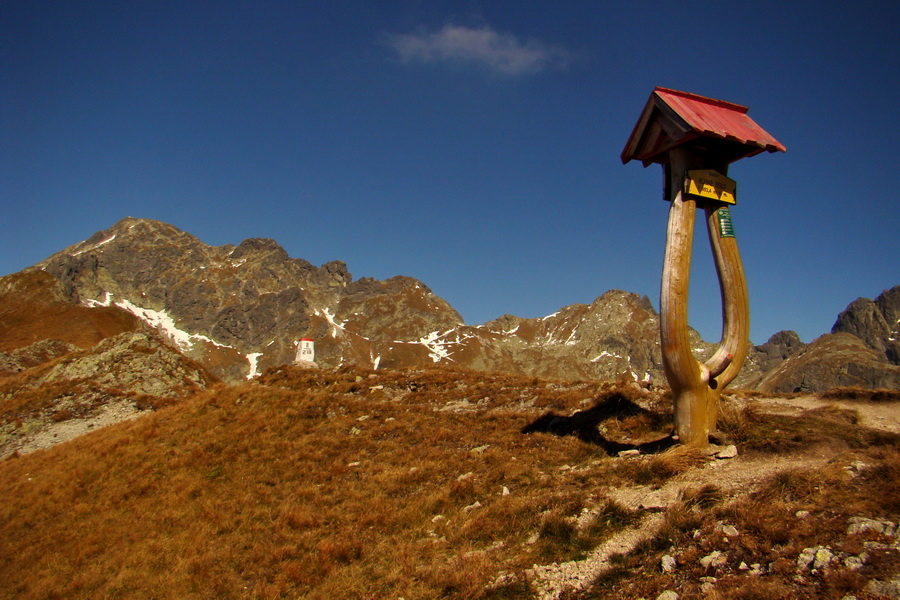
(584, 425)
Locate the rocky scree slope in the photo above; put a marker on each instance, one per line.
(52, 391)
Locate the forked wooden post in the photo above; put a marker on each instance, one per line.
(695, 139)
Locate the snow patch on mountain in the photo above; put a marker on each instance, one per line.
(158, 319)
(439, 344)
(606, 354)
(95, 246)
(335, 326)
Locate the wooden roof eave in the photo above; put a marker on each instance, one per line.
(647, 142)
(661, 127)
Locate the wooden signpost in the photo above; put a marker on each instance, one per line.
(695, 139)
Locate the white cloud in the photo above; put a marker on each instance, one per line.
(501, 52)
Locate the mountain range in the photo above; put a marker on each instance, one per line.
(235, 311)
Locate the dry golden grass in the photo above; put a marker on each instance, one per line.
(359, 484)
(308, 483)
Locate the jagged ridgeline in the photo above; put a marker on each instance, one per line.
(238, 310)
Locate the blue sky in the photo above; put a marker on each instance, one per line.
(472, 145)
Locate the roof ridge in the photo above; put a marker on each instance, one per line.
(698, 98)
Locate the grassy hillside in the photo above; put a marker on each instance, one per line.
(427, 484)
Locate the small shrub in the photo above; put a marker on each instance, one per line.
(705, 497)
(737, 421)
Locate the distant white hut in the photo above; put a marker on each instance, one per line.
(306, 353)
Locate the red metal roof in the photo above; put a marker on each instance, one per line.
(672, 118)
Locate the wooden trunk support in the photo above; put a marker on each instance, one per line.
(697, 387)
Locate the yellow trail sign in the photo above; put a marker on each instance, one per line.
(707, 183)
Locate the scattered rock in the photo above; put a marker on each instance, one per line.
(757, 569)
(806, 558)
(730, 531)
(823, 558)
(887, 589)
(668, 563)
(814, 558)
(728, 452)
(857, 468)
(714, 559)
(668, 595)
(862, 525)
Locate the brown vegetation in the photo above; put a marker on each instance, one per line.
(404, 483)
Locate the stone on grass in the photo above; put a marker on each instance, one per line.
(668, 563)
(728, 452)
(713, 559)
(730, 531)
(887, 589)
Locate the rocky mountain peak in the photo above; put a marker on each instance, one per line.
(261, 246)
(238, 309)
(877, 323)
(241, 308)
